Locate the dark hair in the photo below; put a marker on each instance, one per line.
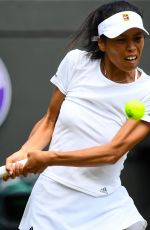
(89, 29)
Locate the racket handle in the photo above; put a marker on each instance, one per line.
(3, 170)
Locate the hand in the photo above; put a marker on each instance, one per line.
(14, 170)
(36, 163)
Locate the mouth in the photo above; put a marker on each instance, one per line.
(131, 58)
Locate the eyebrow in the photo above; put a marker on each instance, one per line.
(136, 34)
(139, 33)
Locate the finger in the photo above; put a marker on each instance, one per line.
(5, 174)
(6, 177)
(25, 174)
(25, 171)
(9, 168)
(21, 169)
(16, 169)
(12, 172)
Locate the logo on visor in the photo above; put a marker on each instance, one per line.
(5, 92)
(125, 17)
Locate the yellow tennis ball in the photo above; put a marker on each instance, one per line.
(135, 109)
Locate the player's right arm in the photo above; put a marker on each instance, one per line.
(41, 133)
(44, 128)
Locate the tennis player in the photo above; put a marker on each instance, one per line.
(79, 187)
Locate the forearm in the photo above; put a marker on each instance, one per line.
(35, 127)
(94, 156)
(128, 136)
(38, 141)
(41, 133)
(40, 136)
(104, 154)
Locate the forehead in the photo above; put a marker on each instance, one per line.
(132, 32)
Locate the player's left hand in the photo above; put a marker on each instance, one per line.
(36, 163)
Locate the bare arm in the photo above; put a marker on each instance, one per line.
(41, 133)
(52, 112)
(36, 126)
(128, 136)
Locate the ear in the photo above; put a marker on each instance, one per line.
(101, 44)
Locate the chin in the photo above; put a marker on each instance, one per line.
(130, 67)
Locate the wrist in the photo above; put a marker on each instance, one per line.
(25, 148)
(51, 158)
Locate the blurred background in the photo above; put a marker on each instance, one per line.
(34, 36)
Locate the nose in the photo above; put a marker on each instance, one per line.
(131, 46)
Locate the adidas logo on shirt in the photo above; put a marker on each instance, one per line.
(104, 190)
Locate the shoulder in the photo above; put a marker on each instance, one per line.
(144, 75)
(76, 53)
(78, 60)
(143, 81)
(76, 56)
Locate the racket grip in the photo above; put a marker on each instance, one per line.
(3, 170)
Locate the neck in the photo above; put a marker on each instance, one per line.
(119, 76)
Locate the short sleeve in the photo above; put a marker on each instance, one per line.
(146, 116)
(64, 73)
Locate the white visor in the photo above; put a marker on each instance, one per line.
(119, 23)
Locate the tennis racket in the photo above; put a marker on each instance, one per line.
(3, 170)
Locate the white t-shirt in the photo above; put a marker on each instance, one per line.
(91, 115)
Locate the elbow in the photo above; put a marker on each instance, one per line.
(117, 151)
(114, 159)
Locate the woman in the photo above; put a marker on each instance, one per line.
(88, 131)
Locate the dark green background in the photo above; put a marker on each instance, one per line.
(33, 39)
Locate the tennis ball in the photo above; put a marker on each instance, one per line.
(135, 109)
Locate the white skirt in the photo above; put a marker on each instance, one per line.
(53, 206)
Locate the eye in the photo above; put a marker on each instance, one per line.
(138, 38)
(121, 40)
